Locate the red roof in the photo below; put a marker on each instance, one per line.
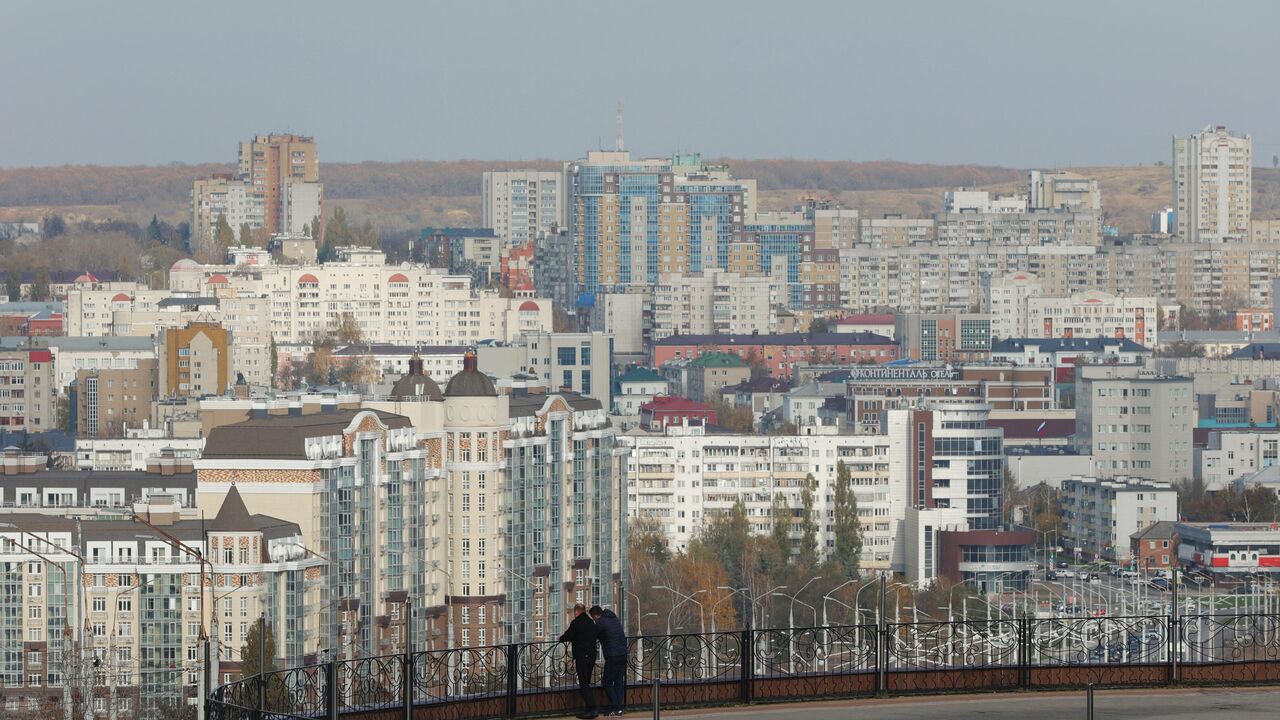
(671, 403)
(120, 297)
(398, 278)
(308, 278)
(528, 305)
(218, 279)
(867, 319)
(40, 356)
(86, 278)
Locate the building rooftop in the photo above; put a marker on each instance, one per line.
(867, 319)
(1162, 530)
(799, 339)
(762, 384)
(641, 375)
(718, 359)
(671, 403)
(188, 301)
(1257, 351)
(528, 404)
(283, 437)
(1077, 344)
(376, 349)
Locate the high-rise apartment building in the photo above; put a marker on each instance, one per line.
(223, 197)
(519, 204)
(195, 361)
(270, 163)
(1213, 185)
(632, 219)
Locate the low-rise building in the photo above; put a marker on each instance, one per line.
(945, 337)
(709, 373)
(1229, 549)
(1229, 455)
(662, 412)
(1155, 546)
(636, 387)
(1100, 515)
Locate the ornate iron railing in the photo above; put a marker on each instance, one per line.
(530, 680)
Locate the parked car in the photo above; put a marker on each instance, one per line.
(1062, 565)
(1095, 578)
(1159, 584)
(1050, 574)
(1243, 589)
(1083, 576)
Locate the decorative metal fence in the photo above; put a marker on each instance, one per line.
(538, 679)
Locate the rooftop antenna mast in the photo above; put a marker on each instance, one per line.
(617, 143)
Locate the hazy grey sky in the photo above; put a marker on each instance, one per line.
(1015, 83)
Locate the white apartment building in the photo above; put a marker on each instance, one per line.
(1232, 454)
(581, 362)
(405, 305)
(1006, 301)
(518, 204)
(1135, 422)
(1100, 514)
(303, 205)
(716, 302)
(683, 479)
(28, 396)
(1213, 185)
(963, 200)
(236, 200)
(1062, 190)
(940, 456)
(1093, 314)
(95, 309)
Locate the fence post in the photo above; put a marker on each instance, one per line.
(260, 712)
(882, 645)
(1024, 653)
(1175, 631)
(747, 658)
(331, 690)
(657, 698)
(406, 685)
(513, 675)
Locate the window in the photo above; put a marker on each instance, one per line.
(124, 604)
(99, 604)
(567, 356)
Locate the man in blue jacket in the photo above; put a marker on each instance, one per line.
(613, 645)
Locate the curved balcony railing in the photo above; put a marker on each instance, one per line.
(538, 679)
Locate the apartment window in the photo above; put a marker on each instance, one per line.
(124, 604)
(99, 604)
(567, 356)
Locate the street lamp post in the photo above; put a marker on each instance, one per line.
(826, 640)
(702, 630)
(450, 658)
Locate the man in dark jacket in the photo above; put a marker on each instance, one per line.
(613, 643)
(582, 635)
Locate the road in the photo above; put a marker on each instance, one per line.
(1220, 704)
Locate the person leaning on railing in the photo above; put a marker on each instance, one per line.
(613, 643)
(582, 635)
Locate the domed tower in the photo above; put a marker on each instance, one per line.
(416, 384)
(476, 428)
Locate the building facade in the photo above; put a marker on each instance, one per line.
(1100, 515)
(1135, 422)
(1213, 185)
(520, 204)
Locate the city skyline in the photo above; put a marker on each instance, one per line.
(946, 84)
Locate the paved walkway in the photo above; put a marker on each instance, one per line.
(1193, 704)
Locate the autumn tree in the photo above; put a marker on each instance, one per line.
(40, 288)
(846, 527)
(734, 418)
(223, 235)
(52, 226)
(781, 532)
(348, 331)
(258, 657)
(13, 284)
(808, 527)
(273, 357)
(246, 235)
